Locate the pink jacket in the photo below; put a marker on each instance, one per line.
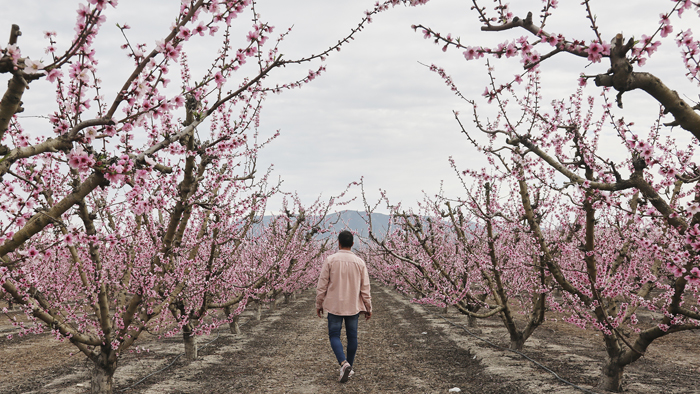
(343, 286)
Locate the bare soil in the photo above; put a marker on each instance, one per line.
(404, 348)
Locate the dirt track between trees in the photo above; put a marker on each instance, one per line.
(404, 348)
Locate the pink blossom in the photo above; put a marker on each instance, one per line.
(184, 33)
(200, 29)
(595, 52)
(253, 35)
(510, 50)
(473, 53)
(219, 79)
(666, 30)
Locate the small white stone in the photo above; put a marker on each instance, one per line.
(455, 390)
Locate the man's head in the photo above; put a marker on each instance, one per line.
(345, 239)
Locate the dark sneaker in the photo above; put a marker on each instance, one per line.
(345, 370)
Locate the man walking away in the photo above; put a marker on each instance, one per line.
(343, 291)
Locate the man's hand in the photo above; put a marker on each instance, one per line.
(368, 315)
(319, 312)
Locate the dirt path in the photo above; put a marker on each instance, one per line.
(289, 353)
(404, 348)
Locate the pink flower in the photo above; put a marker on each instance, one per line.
(178, 101)
(53, 74)
(694, 277)
(595, 52)
(200, 29)
(666, 30)
(184, 33)
(253, 35)
(32, 252)
(74, 161)
(219, 79)
(677, 271)
(472, 53)
(171, 52)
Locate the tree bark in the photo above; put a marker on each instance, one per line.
(517, 342)
(190, 341)
(11, 101)
(611, 376)
(233, 325)
(102, 374)
(258, 310)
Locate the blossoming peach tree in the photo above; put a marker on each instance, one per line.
(621, 240)
(111, 207)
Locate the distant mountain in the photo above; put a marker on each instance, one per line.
(354, 221)
(357, 222)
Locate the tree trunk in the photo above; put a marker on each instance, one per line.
(235, 328)
(273, 304)
(611, 376)
(102, 375)
(517, 344)
(287, 298)
(233, 325)
(471, 321)
(258, 310)
(190, 341)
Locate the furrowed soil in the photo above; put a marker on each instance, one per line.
(403, 348)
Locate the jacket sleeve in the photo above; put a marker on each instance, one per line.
(365, 290)
(322, 285)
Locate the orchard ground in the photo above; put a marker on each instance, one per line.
(404, 348)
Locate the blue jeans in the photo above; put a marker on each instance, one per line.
(335, 324)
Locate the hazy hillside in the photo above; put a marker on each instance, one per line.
(354, 221)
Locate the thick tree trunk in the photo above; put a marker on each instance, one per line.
(517, 343)
(190, 341)
(287, 298)
(102, 375)
(471, 321)
(273, 304)
(611, 376)
(233, 325)
(258, 310)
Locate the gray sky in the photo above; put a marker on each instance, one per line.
(376, 112)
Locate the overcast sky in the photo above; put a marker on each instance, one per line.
(377, 112)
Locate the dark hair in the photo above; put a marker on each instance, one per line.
(345, 239)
